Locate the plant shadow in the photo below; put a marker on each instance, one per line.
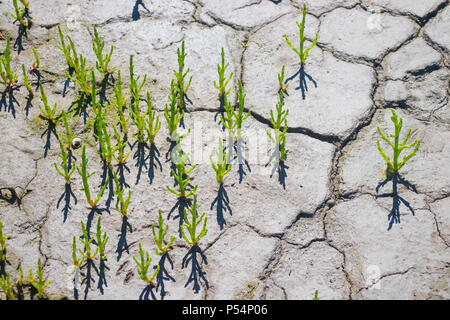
(222, 203)
(108, 177)
(196, 274)
(163, 274)
(394, 215)
(242, 162)
(66, 195)
(140, 157)
(88, 280)
(278, 166)
(122, 244)
(303, 76)
(147, 292)
(8, 105)
(51, 129)
(153, 162)
(182, 205)
(135, 14)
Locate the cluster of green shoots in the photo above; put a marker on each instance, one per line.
(6, 287)
(20, 13)
(223, 80)
(221, 167)
(394, 165)
(47, 113)
(190, 234)
(67, 168)
(181, 173)
(180, 75)
(102, 63)
(143, 266)
(8, 75)
(302, 54)
(172, 112)
(87, 254)
(122, 203)
(36, 67)
(159, 239)
(279, 135)
(39, 284)
(85, 176)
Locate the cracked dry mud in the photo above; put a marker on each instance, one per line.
(325, 226)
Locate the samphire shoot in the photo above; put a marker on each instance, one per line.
(143, 266)
(159, 239)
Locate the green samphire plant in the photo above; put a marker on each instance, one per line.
(302, 54)
(6, 287)
(221, 167)
(102, 61)
(159, 239)
(143, 266)
(2, 244)
(67, 168)
(39, 284)
(180, 75)
(395, 165)
(20, 13)
(223, 80)
(8, 75)
(191, 225)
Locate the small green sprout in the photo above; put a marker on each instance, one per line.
(181, 175)
(83, 77)
(395, 165)
(87, 245)
(85, 176)
(173, 114)
(2, 244)
(47, 113)
(160, 237)
(316, 295)
(36, 64)
(6, 287)
(303, 55)
(20, 13)
(102, 61)
(120, 103)
(76, 262)
(143, 266)
(191, 226)
(101, 240)
(279, 137)
(228, 119)
(239, 115)
(153, 125)
(104, 138)
(139, 121)
(68, 136)
(121, 143)
(135, 88)
(27, 83)
(40, 283)
(222, 167)
(9, 76)
(20, 280)
(282, 87)
(65, 171)
(71, 62)
(223, 81)
(180, 75)
(122, 203)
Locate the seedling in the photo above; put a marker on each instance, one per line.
(76, 262)
(85, 176)
(36, 64)
(121, 143)
(222, 167)
(9, 76)
(122, 203)
(316, 295)
(395, 165)
(228, 119)
(302, 54)
(191, 226)
(223, 81)
(172, 113)
(153, 125)
(40, 283)
(106, 151)
(6, 287)
(47, 113)
(83, 77)
(180, 75)
(160, 237)
(68, 136)
(27, 83)
(2, 244)
(101, 240)
(139, 121)
(66, 170)
(181, 175)
(119, 104)
(102, 61)
(282, 87)
(87, 254)
(279, 137)
(143, 266)
(239, 114)
(20, 13)
(72, 62)
(135, 88)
